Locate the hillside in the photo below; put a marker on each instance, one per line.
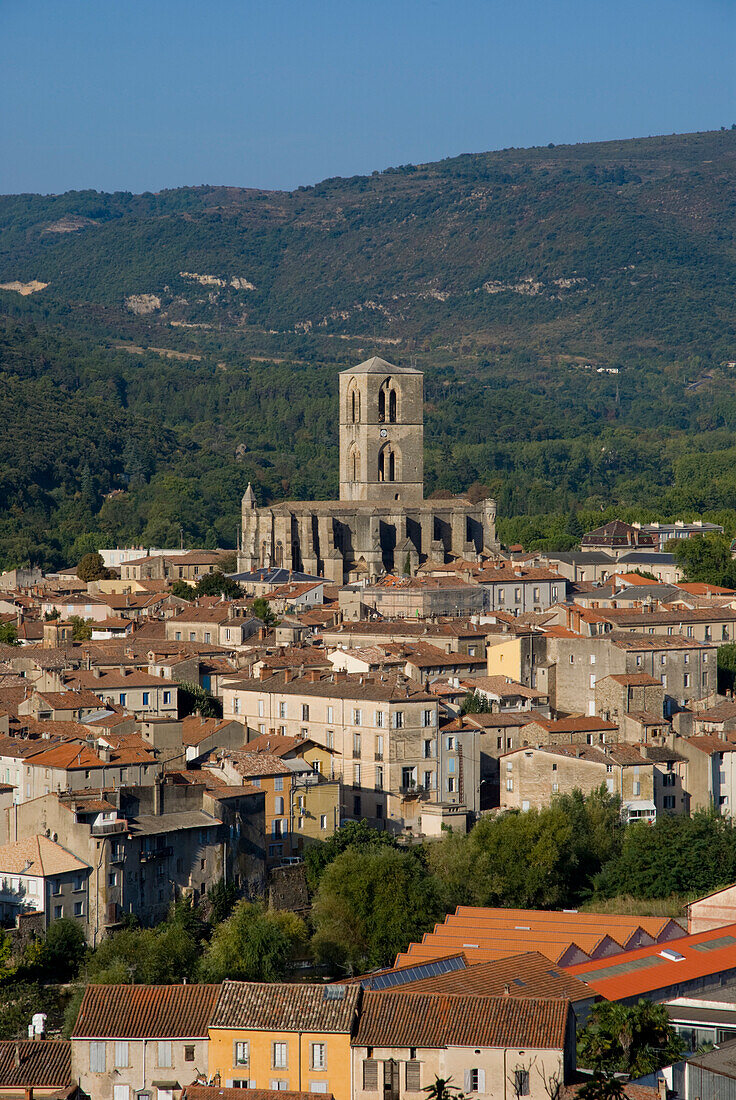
(591, 250)
(187, 342)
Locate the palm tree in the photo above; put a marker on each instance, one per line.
(443, 1090)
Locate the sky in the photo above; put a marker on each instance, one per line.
(141, 95)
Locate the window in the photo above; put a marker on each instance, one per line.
(413, 1076)
(146, 698)
(78, 908)
(318, 1055)
(241, 1054)
(705, 679)
(356, 775)
(121, 1053)
(636, 787)
(427, 717)
(428, 781)
(122, 698)
(305, 712)
(451, 784)
(686, 680)
(236, 705)
(260, 708)
(554, 592)
(428, 750)
(318, 1086)
(475, 1080)
(278, 826)
(451, 743)
(639, 660)
(164, 1053)
(121, 1092)
(356, 744)
(686, 659)
(668, 802)
(689, 632)
(521, 1082)
(112, 878)
(555, 788)
(517, 595)
(379, 746)
(278, 804)
(189, 1053)
(58, 912)
(451, 764)
(408, 777)
(177, 636)
(379, 778)
(664, 681)
(399, 720)
(279, 1086)
(282, 710)
(370, 1075)
(280, 1056)
(278, 783)
(167, 697)
(330, 714)
(509, 784)
(96, 1057)
(357, 717)
(323, 821)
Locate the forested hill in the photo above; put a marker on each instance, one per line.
(593, 250)
(573, 309)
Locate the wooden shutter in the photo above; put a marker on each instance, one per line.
(370, 1075)
(413, 1076)
(468, 1082)
(481, 1080)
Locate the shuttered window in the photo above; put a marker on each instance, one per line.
(413, 1077)
(370, 1075)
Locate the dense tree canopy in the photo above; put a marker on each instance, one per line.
(635, 1039)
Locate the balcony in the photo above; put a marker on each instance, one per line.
(108, 828)
(152, 854)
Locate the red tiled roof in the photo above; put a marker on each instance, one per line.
(527, 975)
(398, 1019)
(215, 1092)
(145, 1011)
(46, 1064)
(278, 1006)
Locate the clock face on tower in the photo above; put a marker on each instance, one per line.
(384, 433)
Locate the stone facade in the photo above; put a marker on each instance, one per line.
(381, 520)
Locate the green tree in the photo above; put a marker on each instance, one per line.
(193, 697)
(254, 944)
(64, 949)
(81, 628)
(635, 1039)
(91, 567)
(263, 611)
(538, 859)
(221, 899)
(726, 657)
(705, 558)
(475, 703)
(183, 590)
(217, 584)
(354, 834)
(9, 634)
(370, 905)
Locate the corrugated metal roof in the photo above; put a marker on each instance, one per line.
(268, 1006)
(145, 1011)
(396, 1018)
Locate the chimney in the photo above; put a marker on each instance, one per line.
(157, 799)
(314, 675)
(287, 676)
(96, 672)
(16, 1056)
(507, 990)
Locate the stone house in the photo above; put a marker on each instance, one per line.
(530, 777)
(142, 1041)
(711, 772)
(37, 875)
(135, 691)
(382, 729)
(492, 1046)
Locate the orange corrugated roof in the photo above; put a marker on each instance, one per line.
(632, 977)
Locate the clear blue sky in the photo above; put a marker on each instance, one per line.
(145, 94)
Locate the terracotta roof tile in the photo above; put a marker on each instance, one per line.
(145, 1011)
(268, 1006)
(403, 1019)
(46, 1064)
(216, 1092)
(37, 855)
(527, 975)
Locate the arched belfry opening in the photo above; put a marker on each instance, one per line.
(389, 463)
(387, 402)
(354, 403)
(354, 464)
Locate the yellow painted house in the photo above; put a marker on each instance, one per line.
(271, 1035)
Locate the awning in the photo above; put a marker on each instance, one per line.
(641, 804)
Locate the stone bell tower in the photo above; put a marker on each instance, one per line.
(381, 434)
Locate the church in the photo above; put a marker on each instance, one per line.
(381, 523)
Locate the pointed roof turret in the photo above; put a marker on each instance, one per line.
(249, 497)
